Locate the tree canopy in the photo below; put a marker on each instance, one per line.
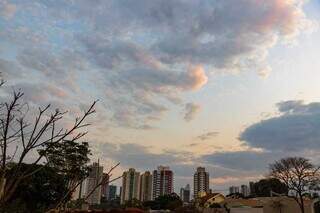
(298, 174)
(265, 187)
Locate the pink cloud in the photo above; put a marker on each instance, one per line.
(286, 16)
(8, 10)
(197, 77)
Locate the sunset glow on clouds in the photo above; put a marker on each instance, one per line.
(169, 74)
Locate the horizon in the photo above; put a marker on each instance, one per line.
(231, 86)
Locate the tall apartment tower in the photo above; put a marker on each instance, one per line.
(112, 192)
(146, 186)
(105, 186)
(185, 194)
(130, 185)
(234, 189)
(201, 182)
(245, 190)
(94, 178)
(251, 186)
(162, 181)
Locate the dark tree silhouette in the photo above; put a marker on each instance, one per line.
(39, 192)
(298, 174)
(22, 137)
(264, 187)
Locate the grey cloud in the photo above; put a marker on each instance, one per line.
(207, 135)
(9, 70)
(191, 110)
(146, 53)
(243, 160)
(229, 166)
(138, 156)
(296, 128)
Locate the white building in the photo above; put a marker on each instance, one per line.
(146, 186)
(130, 185)
(87, 186)
(200, 182)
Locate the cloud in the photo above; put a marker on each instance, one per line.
(207, 135)
(222, 171)
(7, 10)
(196, 78)
(145, 60)
(264, 72)
(140, 157)
(242, 160)
(295, 129)
(191, 110)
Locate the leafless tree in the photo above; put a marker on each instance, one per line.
(298, 174)
(21, 137)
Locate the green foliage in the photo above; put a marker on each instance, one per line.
(171, 202)
(134, 203)
(264, 187)
(70, 158)
(38, 192)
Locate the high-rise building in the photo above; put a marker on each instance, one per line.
(105, 186)
(94, 178)
(252, 190)
(87, 186)
(245, 190)
(185, 193)
(112, 192)
(130, 185)
(234, 189)
(162, 181)
(146, 186)
(201, 182)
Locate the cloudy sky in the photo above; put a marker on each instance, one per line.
(231, 85)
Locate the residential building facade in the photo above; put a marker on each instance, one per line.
(105, 186)
(245, 190)
(162, 181)
(112, 193)
(146, 186)
(130, 185)
(200, 182)
(234, 189)
(185, 194)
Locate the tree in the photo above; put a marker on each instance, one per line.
(171, 201)
(298, 174)
(133, 203)
(39, 192)
(70, 159)
(24, 132)
(264, 187)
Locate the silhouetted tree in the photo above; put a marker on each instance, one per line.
(298, 174)
(23, 133)
(264, 187)
(39, 192)
(171, 201)
(70, 159)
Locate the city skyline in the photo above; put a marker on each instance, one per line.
(224, 85)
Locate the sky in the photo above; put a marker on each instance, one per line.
(230, 85)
